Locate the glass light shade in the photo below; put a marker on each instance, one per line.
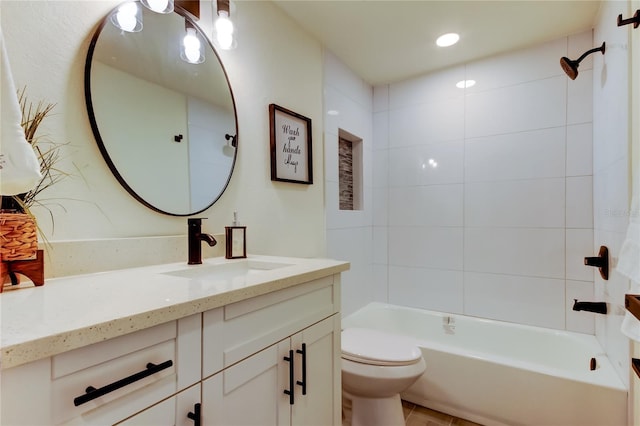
(128, 17)
(192, 48)
(223, 31)
(464, 84)
(447, 40)
(158, 6)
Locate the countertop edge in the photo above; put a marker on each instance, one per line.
(39, 348)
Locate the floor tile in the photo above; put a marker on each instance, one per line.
(414, 415)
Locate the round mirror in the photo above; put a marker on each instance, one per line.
(166, 127)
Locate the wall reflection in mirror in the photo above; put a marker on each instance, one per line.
(165, 122)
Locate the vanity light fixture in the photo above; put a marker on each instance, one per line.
(223, 28)
(158, 6)
(448, 39)
(128, 17)
(191, 51)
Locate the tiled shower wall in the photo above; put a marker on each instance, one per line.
(483, 196)
(348, 106)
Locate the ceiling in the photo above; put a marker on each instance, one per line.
(384, 41)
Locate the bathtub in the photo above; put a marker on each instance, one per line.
(498, 373)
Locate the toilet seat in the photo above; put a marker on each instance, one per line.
(374, 347)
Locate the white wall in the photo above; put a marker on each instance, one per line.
(499, 228)
(611, 171)
(275, 61)
(349, 233)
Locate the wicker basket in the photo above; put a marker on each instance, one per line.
(18, 237)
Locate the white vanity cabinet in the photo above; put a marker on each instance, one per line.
(274, 359)
(264, 354)
(105, 382)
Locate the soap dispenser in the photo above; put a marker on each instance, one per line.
(236, 239)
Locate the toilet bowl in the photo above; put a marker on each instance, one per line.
(376, 367)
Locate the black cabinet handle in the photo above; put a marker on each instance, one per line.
(303, 383)
(196, 414)
(289, 391)
(93, 393)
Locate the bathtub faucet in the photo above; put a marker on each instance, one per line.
(596, 307)
(195, 237)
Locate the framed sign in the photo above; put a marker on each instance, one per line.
(291, 157)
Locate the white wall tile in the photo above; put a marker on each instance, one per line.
(380, 245)
(433, 205)
(380, 207)
(411, 166)
(516, 251)
(611, 197)
(535, 63)
(381, 130)
(579, 246)
(523, 155)
(432, 247)
(429, 122)
(381, 98)
(580, 202)
(332, 102)
(435, 86)
(580, 150)
(331, 172)
(381, 287)
(525, 300)
(580, 98)
(529, 106)
(354, 245)
(331, 202)
(339, 76)
(535, 203)
(380, 172)
(432, 289)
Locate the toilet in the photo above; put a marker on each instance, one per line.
(376, 367)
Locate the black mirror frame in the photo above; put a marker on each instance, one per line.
(94, 125)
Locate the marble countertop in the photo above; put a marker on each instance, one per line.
(70, 312)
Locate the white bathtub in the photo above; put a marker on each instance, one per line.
(498, 373)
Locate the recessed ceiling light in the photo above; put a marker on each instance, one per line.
(446, 40)
(464, 84)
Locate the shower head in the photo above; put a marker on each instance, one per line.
(570, 67)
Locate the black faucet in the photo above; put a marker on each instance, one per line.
(596, 307)
(195, 237)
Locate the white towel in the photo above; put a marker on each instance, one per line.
(19, 167)
(629, 266)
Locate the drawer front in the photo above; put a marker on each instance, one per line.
(241, 329)
(170, 412)
(89, 356)
(111, 380)
(120, 378)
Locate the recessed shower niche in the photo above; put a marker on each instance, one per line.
(349, 171)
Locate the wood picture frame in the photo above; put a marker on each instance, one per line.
(291, 147)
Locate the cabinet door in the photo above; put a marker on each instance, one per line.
(173, 411)
(250, 392)
(321, 405)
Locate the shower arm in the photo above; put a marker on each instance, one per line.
(589, 52)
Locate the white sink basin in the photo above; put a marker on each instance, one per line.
(226, 271)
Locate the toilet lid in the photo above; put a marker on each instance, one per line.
(375, 347)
